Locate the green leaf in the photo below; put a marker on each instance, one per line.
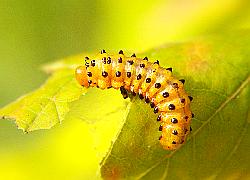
(217, 73)
(46, 106)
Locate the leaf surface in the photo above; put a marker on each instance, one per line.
(217, 74)
(46, 106)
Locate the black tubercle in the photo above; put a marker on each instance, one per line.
(182, 80)
(109, 60)
(152, 105)
(141, 96)
(133, 55)
(103, 51)
(171, 107)
(120, 52)
(93, 63)
(147, 100)
(129, 74)
(119, 60)
(165, 94)
(160, 128)
(131, 62)
(104, 74)
(104, 60)
(148, 80)
(190, 98)
(146, 58)
(142, 65)
(156, 109)
(86, 64)
(118, 74)
(174, 120)
(159, 118)
(157, 85)
(89, 74)
(175, 132)
(157, 62)
(175, 85)
(173, 142)
(169, 69)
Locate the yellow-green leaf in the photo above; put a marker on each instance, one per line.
(217, 74)
(47, 105)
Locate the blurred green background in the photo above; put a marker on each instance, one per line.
(37, 32)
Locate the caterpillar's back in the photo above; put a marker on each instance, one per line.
(153, 83)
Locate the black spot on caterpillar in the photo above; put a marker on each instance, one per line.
(151, 82)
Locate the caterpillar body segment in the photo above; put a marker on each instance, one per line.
(153, 83)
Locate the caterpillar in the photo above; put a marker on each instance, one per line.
(153, 83)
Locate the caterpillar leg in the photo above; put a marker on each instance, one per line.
(124, 92)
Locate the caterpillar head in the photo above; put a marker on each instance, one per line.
(81, 76)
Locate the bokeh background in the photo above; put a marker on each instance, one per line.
(36, 32)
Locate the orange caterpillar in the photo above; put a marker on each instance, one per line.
(153, 83)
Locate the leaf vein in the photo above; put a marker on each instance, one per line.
(47, 103)
(233, 151)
